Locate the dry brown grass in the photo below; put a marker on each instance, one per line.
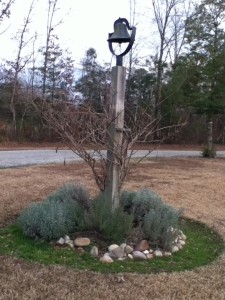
(195, 184)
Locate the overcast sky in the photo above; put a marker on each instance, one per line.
(86, 24)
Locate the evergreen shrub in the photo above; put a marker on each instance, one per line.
(209, 152)
(113, 225)
(140, 203)
(72, 192)
(61, 213)
(159, 224)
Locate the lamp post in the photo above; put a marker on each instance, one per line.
(116, 106)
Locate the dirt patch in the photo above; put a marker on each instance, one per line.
(195, 184)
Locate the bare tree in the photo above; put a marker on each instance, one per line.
(5, 11)
(86, 132)
(20, 62)
(170, 18)
(50, 26)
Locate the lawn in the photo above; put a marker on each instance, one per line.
(194, 184)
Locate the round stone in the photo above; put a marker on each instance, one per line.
(182, 242)
(106, 259)
(158, 253)
(174, 249)
(60, 241)
(123, 245)
(142, 246)
(166, 254)
(94, 251)
(66, 238)
(150, 256)
(116, 252)
(179, 246)
(128, 249)
(113, 246)
(183, 237)
(138, 255)
(82, 242)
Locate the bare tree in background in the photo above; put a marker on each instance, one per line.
(169, 16)
(50, 26)
(19, 64)
(5, 11)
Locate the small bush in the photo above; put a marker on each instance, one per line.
(61, 213)
(140, 203)
(209, 152)
(158, 224)
(72, 192)
(30, 219)
(113, 225)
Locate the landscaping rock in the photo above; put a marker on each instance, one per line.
(183, 237)
(150, 255)
(146, 252)
(123, 246)
(82, 242)
(130, 256)
(166, 254)
(106, 259)
(179, 246)
(116, 252)
(60, 242)
(67, 238)
(181, 242)
(70, 243)
(113, 246)
(174, 249)
(158, 253)
(94, 251)
(138, 255)
(142, 246)
(128, 249)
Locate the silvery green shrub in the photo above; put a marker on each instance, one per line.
(140, 203)
(158, 224)
(61, 213)
(74, 192)
(30, 220)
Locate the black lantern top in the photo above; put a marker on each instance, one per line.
(121, 35)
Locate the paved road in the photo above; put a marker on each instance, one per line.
(18, 158)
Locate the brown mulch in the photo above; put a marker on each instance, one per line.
(192, 183)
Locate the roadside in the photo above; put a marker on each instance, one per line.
(10, 146)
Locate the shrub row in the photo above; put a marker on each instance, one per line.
(70, 209)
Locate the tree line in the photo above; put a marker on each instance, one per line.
(176, 94)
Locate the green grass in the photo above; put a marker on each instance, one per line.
(203, 245)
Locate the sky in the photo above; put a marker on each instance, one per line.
(86, 23)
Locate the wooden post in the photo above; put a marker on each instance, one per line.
(114, 150)
(210, 134)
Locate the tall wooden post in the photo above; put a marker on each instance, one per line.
(114, 151)
(210, 134)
